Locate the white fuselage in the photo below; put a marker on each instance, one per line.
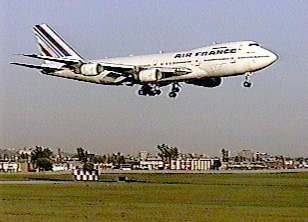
(218, 60)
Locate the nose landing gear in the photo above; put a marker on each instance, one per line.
(247, 82)
(173, 94)
(174, 90)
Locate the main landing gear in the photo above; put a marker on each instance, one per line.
(153, 90)
(174, 90)
(247, 82)
(147, 90)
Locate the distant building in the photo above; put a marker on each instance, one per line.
(28, 150)
(143, 155)
(246, 156)
(195, 164)
(258, 156)
(60, 166)
(9, 167)
(152, 164)
(8, 155)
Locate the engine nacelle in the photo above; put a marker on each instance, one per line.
(91, 69)
(207, 82)
(150, 75)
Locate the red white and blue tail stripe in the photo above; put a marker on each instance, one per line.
(52, 45)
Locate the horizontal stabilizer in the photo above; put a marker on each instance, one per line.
(54, 59)
(36, 66)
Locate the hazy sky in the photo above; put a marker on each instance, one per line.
(272, 116)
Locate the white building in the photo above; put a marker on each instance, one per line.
(152, 164)
(192, 164)
(9, 167)
(60, 166)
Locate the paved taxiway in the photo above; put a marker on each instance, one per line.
(127, 172)
(200, 171)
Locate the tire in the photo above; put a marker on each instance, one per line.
(172, 95)
(151, 93)
(157, 92)
(141, 92)
(247, 84)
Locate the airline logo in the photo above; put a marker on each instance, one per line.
(51, 44)
(206, 53)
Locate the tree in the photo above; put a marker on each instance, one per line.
(225, 155)
(44, 163)
(81, 154)
(87, 159)
(41, 157)
(40, 152)
(88, 166)
(24, 156)
(216, 165)
(116, 159)
(167, 153)
(99, 159)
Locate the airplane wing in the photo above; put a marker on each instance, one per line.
(45, 68)
(119, 68)
(165, 73)
(54, 59)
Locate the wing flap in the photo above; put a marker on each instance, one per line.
(119, 68)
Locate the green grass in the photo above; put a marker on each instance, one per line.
(161, 197)
(35, 176)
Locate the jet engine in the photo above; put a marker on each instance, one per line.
(150, 75)
(207, 82)
(91, 69)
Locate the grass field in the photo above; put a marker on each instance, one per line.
(159, 197)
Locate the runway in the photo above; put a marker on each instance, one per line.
(200, 171)
(131, 172)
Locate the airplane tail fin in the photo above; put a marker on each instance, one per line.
(53, 45)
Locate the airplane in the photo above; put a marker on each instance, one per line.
(204, 66)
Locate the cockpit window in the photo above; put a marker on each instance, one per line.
(254, 44)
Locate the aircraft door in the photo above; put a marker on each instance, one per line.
(233, 57)
(233, 60)
(197, 62)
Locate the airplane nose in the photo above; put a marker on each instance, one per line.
(273, 57)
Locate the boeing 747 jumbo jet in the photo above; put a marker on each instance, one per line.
(204, 66)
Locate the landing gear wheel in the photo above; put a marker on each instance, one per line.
(247, 84)
(148, 90)
(151, 93)
(176, 87)
(141, 92)
(172, 94)
(157, 92)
